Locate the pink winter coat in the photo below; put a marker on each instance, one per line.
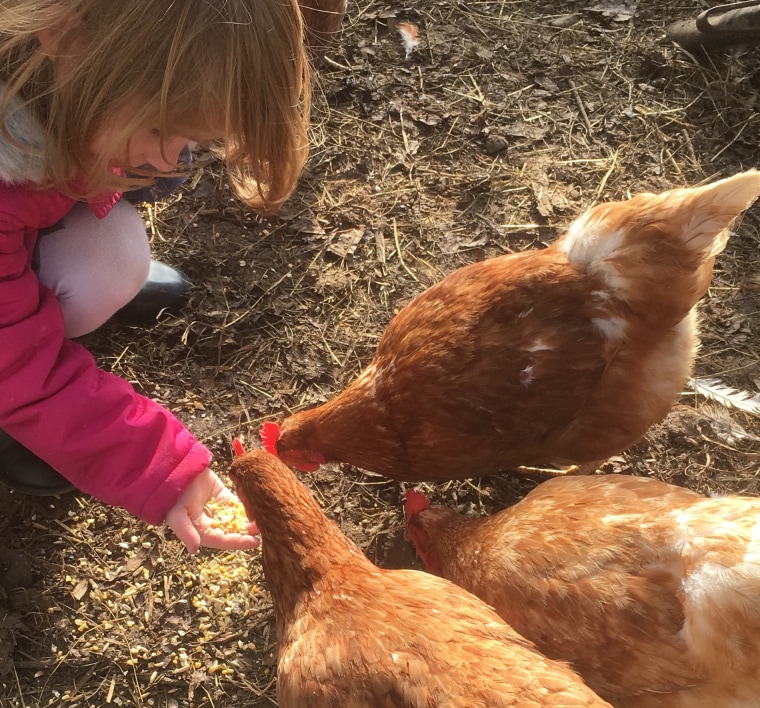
(89, 425)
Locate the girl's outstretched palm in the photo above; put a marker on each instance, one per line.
(209, 514)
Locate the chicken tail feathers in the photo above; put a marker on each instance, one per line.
(656, 252)
(709, 211)
(692, 219)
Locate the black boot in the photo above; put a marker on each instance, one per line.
(166, 289)
(24, 472)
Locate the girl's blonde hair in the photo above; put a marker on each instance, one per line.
(236, 66)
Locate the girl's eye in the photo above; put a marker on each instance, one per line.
(155, 132)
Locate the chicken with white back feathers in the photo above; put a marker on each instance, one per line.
(650, 591)
(560, 356)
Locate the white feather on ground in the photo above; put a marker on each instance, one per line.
(716, 390)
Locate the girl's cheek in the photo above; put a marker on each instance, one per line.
(148, 152)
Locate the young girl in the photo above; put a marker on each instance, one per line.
(96, 98)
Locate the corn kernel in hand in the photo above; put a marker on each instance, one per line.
(227, 515)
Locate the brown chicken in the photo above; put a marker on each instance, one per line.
(321, 19)
(558, 356)
(352, 635)
(650, 591)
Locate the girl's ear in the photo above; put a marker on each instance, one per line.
(46, 38)
(60, 19)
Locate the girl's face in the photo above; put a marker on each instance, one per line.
(147, 148)
(144, 149)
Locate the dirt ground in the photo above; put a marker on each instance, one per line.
(510, 118)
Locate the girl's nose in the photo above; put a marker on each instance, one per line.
(172, 148)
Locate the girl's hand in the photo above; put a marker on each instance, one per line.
(191, 520)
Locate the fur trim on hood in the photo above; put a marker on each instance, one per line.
(22, 159)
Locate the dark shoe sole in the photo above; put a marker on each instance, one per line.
(24, 472)
(165, 290)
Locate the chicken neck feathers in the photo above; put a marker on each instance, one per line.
(354, 635)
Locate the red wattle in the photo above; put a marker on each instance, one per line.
(414, 503)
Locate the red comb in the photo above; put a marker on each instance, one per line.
(237, 447)
(270, 434)
(414, 503)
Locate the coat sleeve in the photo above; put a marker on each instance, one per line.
(89, 425)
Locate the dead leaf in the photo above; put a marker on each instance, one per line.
(196, 679)
(448, 243)
(527, 130)
(565, 20)
(307, 224)
(754, 282)
(80, 590)
(547, 192)
(496, 144)
(549, 85)
(345, 242)
(428, 118)
(618, 10)
(134, 563)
